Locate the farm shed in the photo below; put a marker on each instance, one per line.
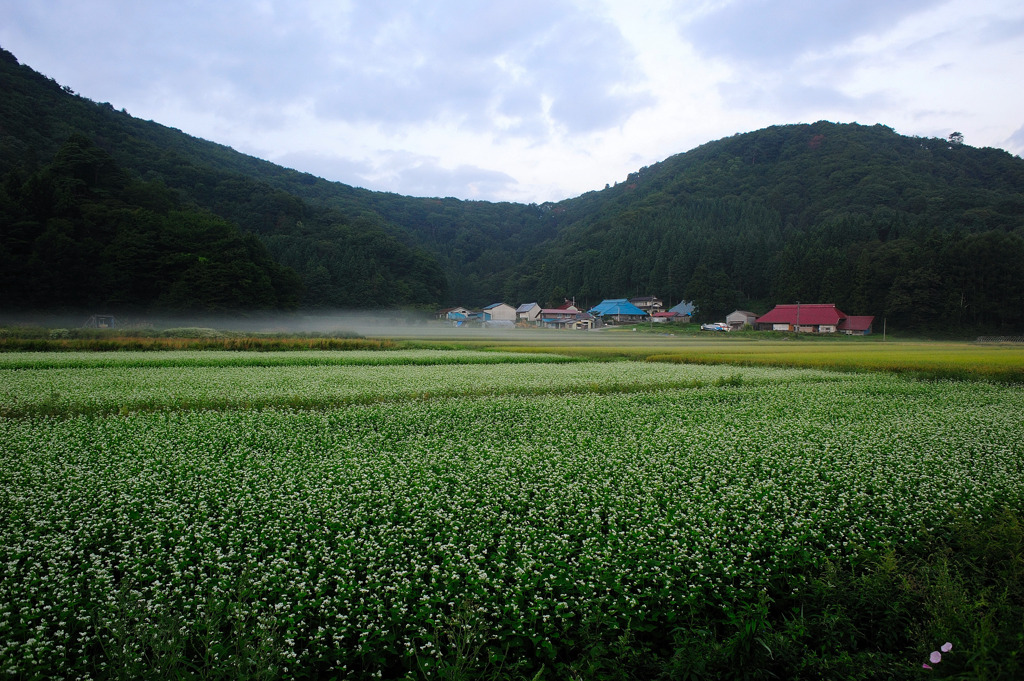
(740, 318)
(446, 314)
(461, 316)
(101, 321)
(857, 325)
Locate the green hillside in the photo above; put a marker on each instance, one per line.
(83, 234)
(926, 232)
(344, 258)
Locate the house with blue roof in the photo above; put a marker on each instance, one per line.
(446, 314)
(684, 308)
(528, 313)
(459, 316)
(618, 311)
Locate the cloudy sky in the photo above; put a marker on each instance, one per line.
(526, 100)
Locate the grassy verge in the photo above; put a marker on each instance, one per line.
(881, 618)
(929, 360)
(979, 365)
(924, 359)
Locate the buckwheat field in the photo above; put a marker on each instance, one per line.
(397, 515)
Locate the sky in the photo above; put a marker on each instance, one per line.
(526, 100)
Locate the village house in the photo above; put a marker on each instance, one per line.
(528, 313)
(557, 317)
(618, 311)
(814, 318)
(568, 320)
(568, 315)
(648, 304)
(499, 312)
(685, 308)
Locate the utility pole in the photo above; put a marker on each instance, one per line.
(798, 316)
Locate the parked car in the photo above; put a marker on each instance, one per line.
(717, 326)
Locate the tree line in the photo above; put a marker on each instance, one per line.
(925, 232)
(80, 233)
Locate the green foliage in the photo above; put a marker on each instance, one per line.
(142, 190)
(80, 234)
(928, 233)
(964, 585)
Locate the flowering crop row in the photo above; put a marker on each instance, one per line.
(123, 389)
(225, 358)
(372, 539)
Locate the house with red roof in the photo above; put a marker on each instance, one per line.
(858, 325)
(813, 318)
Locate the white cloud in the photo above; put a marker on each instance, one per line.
(413, 174)
(530, 101)
(1015, 143)
(775, 32)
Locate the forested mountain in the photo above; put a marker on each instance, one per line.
(927, 232)
(82, 234)
(345, 255)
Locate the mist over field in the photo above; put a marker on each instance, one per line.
(322, 322)
(396, 324)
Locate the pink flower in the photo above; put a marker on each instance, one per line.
(936, 656)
